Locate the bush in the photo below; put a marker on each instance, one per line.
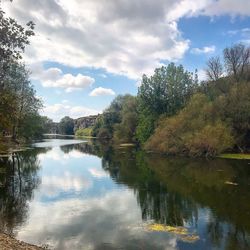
(195, 131)
(83, 132)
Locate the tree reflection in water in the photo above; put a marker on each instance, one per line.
(18, 179)
(175, 191)
(169, 191)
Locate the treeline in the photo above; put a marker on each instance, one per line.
(19, 105)
(173, 113)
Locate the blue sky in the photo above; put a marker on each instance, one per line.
(87, 52)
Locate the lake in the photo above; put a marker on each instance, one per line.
(75, 194)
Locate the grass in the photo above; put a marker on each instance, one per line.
(127, 145)
(235, 156)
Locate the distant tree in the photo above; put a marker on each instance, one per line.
(237, 60)
(214, 68)
(125, 130)
(66, 126)
(105, 124)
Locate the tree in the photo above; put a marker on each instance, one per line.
(234, 108)
(125, 130)
(13, 39)
(237, 60)
(214, 68)
(66, 126)
(19, 98)
(105, 125)
(164, 93)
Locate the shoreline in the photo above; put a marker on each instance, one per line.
(8, 242)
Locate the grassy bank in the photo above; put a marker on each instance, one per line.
(235, 156)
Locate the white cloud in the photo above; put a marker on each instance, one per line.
(98, 173)
(204, 50)
(113, 217)
(228, 7)
(100, 91)
(54, 78)
(122, 37)
(59, 110)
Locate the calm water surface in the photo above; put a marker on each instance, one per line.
(69, 194)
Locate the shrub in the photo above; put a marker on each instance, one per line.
(83, 132)
(195, 131)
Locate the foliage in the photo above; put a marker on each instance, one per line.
(14, 38)
(119, 120)
(19, 105)
(66, 126)
(195, 131)
(234, 108)
(19, 98)
(81, 132)
(165, 92)
(33, 127)
(125, 130)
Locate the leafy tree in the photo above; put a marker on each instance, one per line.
(234, 108)
(66, 126)
(125, 130)
(164, 93)
(19, 98)
(105, 125)
(13, 39)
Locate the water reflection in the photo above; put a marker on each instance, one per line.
(92, 196)
(18, 180)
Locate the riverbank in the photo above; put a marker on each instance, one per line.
(7, 146)
(9, 243)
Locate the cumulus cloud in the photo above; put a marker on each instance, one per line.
(59, 110)
(54, 78)
(204, 50)
(123, 37)
(100, 91)
(228, 7)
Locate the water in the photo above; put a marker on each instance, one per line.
(67, 194)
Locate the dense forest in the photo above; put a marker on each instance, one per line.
(174, 113)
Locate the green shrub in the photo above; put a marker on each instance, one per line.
(84, 132)
(195, 131)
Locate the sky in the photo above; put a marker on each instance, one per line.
(86, 52)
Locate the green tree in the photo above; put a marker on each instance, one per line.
(105, 125)
(163, 93)
(66, 126)
(13, 39)
(125, 130)
(197, 130)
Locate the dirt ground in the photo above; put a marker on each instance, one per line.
(9, 243)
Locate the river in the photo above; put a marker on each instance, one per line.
(75, 194)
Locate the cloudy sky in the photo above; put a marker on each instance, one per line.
(86, 52)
